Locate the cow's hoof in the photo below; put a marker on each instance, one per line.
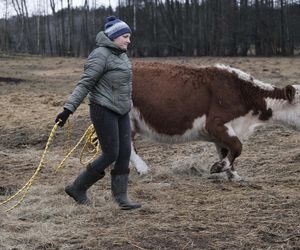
(141, 166)
(143, 170)
(233, 176)
(218, 167)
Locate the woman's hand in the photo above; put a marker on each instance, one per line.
(63, 117)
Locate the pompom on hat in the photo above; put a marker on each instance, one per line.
(115, 27)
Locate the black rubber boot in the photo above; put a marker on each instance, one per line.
(77, 190)
(119, 184)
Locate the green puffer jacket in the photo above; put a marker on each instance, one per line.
(107, 78)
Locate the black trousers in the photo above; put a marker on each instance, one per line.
(114, 133)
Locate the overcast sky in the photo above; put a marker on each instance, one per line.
(35, 5)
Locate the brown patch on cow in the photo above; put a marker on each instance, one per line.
(168, 115)
(170, 97)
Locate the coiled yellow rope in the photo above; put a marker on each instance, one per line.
(87, 135)
(91, 143)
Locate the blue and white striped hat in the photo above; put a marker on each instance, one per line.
(114, 27)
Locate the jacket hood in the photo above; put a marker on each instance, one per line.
(103, 41)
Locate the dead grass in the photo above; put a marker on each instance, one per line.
(183, 206)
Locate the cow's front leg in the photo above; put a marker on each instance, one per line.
(140, 166)
(224, 135)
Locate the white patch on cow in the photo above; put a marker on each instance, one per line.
(227, 165)
(197, 132)
(243, 126)
(285, 113)
(137, 162)
(230, 130)
(233, 175)
(244, 76)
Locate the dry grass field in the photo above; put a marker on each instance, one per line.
(183, 206)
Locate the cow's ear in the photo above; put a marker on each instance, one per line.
(289, 92)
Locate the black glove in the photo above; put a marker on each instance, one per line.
(63, 117)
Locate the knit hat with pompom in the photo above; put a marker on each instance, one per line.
(115, 27)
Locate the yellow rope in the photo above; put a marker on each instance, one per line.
(26, 187)
(89, 130)
(91, 146)
(91, 142)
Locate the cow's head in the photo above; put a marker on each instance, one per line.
(296, 98)
(289, 113)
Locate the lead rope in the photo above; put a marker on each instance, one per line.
(91, 146)
(91, 142)
(88, 134)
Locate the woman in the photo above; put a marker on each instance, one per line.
(107, 79)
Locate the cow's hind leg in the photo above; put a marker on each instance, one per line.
(140, 166)
(226, 136)
(232, 175)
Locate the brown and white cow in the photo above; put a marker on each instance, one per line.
(219, 104)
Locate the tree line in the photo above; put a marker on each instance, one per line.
(160, 28)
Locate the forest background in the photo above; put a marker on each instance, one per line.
(160, 28)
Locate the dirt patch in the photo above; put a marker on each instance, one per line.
(184, 207)
(10, 80)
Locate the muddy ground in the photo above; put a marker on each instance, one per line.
(183, 206)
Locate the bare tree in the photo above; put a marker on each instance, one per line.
(244, 28)
(62, 30)
(5, 37)
(38, 29)
(20, 17)
(48, 33)
(70, 28)
(85, 28)
(53, 8)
